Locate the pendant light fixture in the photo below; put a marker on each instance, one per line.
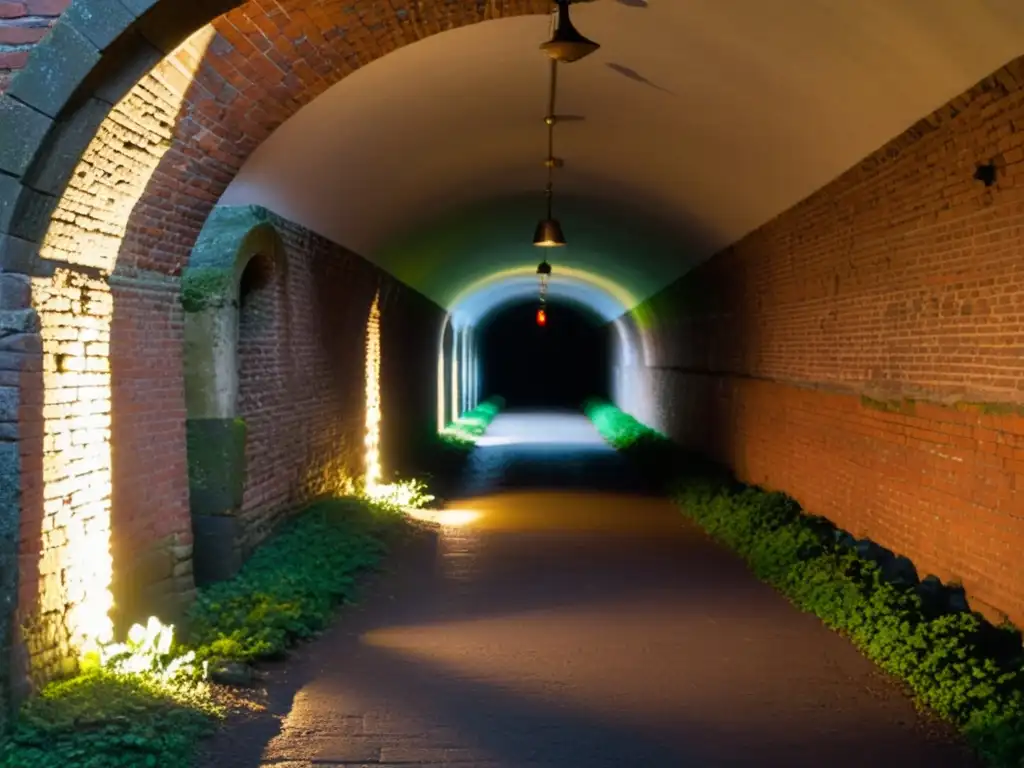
(567, 44)
(544, 273)
(549, 230)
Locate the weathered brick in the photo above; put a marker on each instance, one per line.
(886, 283)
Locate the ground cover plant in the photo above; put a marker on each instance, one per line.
(147, 702)
(472, 424)
(953, 661)
(445, 453)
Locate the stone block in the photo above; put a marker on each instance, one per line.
(67, 143)
(22, 132)
(10, 487)
(9, 402)
(30, 343)
(56, 67)
(18, 255)
(33, 216)
(18, 321)
(216, 556)
(216, 465)
(101, 25)
(136, 59)
(167, 25)
(138, 7)
(15, 291)
(10, 192)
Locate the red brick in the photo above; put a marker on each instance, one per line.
(10, 10)
(47, 7)
(914, 280)
(20, 35)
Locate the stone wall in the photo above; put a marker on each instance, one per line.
(792, 354)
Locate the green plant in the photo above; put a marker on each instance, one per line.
(444, 454)
(145, 703)
(954, 662)
(943, 659)
(400, 496)
(290, 586)
(135, 704)
(472, 424)
(652, 452)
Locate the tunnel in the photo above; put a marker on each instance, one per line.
(256, 254)
(555, 361)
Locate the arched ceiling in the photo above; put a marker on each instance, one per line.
(702, 120)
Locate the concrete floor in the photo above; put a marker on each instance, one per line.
(548, 625)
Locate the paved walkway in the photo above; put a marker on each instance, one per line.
(558, 627)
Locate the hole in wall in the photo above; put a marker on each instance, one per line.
(986, 173)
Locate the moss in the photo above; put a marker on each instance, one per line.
(887, 406)
(993, 409)
(205, 287)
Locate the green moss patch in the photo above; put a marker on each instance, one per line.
(472, 424)
(887, 406)
(953, 661)
(993, 409)
(206, 287)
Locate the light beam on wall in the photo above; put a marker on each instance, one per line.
(456, 337)
(71, 614)
(373, 409)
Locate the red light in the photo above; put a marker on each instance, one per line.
(542, 317)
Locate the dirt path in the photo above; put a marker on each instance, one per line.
(567, 627)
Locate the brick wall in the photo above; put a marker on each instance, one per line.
(302, 373)
(122, 230)
(903, 278)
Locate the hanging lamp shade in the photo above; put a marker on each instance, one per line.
(567, 44)
(548, 234)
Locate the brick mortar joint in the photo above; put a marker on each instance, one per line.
(862, 389)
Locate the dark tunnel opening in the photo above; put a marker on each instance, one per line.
(557, 365)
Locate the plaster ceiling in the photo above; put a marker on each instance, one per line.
(708, 116)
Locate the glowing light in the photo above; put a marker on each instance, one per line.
(405, 495)
(441, 411)
(455, 373)
(373, 411)
(71, 616)
(608, 291)
(542, 317)
(447, 518)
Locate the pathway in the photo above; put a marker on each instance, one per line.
(559, 622)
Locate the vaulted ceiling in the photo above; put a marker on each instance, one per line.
(700, 120)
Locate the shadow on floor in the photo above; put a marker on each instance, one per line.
(633, 678)
(570, 629)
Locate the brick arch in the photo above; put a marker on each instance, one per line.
(261, 66)
(120, 134)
